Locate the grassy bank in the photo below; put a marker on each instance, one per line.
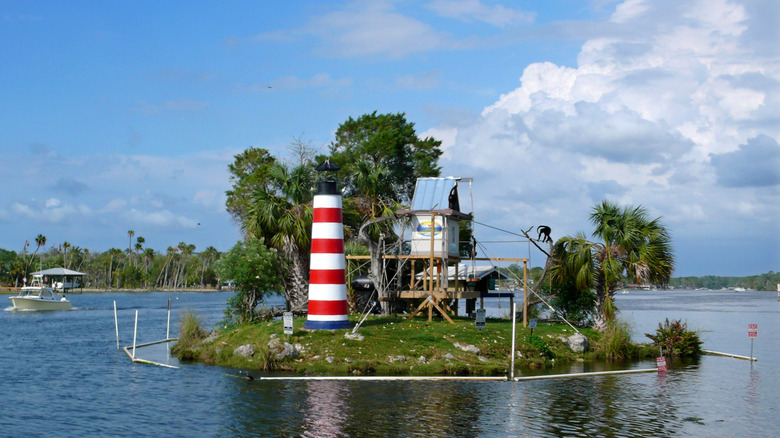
(400, 346)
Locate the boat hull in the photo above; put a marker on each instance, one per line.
(26, 303)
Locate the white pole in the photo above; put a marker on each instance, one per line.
(116, 326)
(135, 330)
(168, 327)
(512, 367)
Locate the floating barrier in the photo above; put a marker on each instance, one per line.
(127, 349)
(380, 378)
(735, 356)
(595, 373)
(139, 360)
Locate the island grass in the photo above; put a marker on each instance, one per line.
(402, 346)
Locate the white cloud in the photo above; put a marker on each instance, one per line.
(373, 29)
(656, 114)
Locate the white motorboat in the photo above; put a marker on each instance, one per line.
(38, 296)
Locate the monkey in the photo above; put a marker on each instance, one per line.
(544, 231)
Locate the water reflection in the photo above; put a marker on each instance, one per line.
(325, 410)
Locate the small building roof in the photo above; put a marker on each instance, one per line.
(433, 194)
(59, 272)
(464, 270)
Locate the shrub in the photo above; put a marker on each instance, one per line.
(540, 345)
(190, 335)
(616, 341)
(676, 339)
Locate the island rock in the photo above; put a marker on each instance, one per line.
(578, 343)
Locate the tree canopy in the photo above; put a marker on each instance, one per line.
(255, 269)
(249, 172)
(629, 244)
(388, 146)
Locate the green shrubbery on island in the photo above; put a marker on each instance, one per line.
(402, 346)
(676, 339)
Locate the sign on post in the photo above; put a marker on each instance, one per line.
(288, 323)
(532, 325)
(661, 364)
(480, 322)
(752, 330)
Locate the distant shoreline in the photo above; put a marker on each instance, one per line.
(10, 290)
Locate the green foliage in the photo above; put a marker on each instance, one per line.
(382, 151)
(541, 346)
(191, 333)
(255, 269)
(615, 343)
(676, 339)
(249, 172)
(573, 304)
(630, 244)
(11, 267)
(767, 281)
(395, 346)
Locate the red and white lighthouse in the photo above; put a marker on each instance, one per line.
(327, 279)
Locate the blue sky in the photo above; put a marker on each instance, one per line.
(124, 115)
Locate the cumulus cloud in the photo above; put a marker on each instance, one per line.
(668, 110)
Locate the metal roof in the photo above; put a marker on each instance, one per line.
(433, 193)
(59, 272)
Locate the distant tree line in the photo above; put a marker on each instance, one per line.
(767, 281)
(135, 267)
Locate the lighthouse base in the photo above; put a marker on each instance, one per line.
(327, 325)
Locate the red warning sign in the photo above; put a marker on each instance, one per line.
(752, 330)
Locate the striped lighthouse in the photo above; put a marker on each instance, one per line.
(327, 280)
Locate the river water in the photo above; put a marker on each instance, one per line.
(62, 375)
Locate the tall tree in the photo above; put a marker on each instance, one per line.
(390, 141)
(40, 240)
(248, 173)
(281, 214)
(630, 244)
(208, 255)
(65, 246)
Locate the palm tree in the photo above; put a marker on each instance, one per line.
(65, 246)
(207, 256)
(282, 215)
(40, 241)
(113, 252)
(370, 187)
(631, 245)
(148, 255)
